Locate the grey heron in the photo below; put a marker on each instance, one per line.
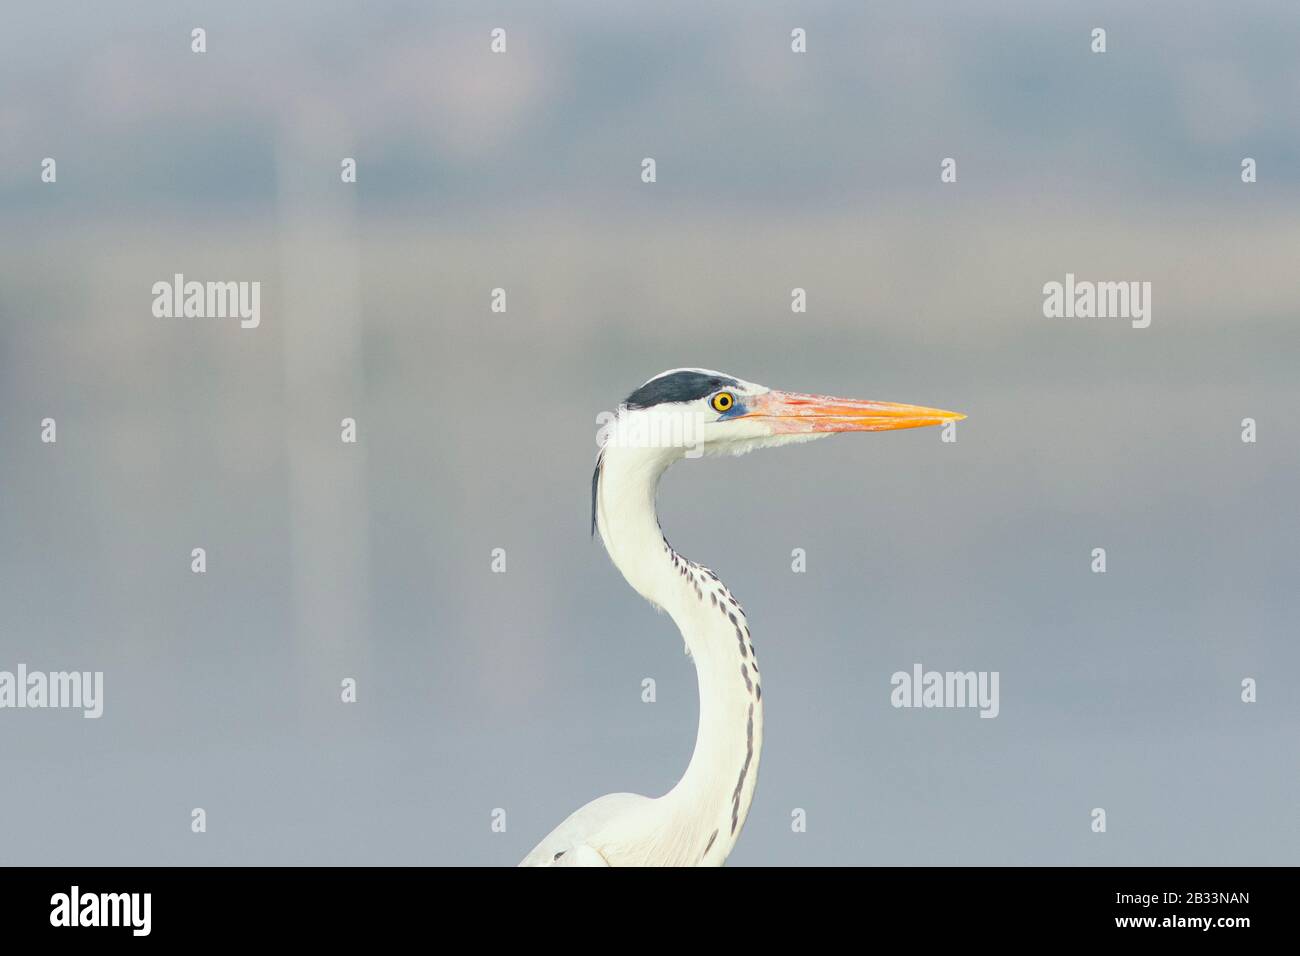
(678, 414)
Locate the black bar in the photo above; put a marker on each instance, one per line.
(386, 904)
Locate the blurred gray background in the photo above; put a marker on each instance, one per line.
(522, 690)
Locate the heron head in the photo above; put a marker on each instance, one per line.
(692, 412)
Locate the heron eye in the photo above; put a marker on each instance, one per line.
(723, 401)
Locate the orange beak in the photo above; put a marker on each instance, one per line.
(794, 412)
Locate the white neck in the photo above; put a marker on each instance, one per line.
(701, 817)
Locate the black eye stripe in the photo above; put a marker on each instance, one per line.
(678, 387)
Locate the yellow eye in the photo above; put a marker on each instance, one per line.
(723, 401)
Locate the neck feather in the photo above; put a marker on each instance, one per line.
(708, 806)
